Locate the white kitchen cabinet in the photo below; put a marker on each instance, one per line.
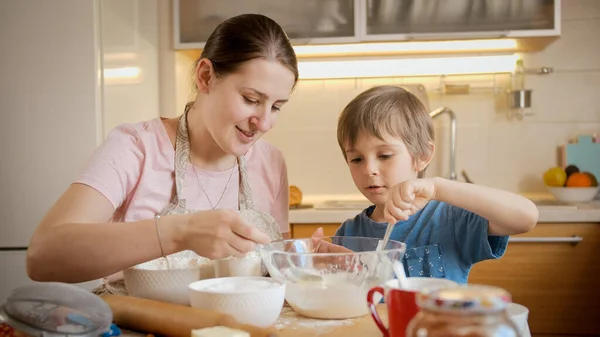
(455, 19)
(309, 21)
(344, 21)
(13, 274)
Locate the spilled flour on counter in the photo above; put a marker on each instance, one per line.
(291, 319)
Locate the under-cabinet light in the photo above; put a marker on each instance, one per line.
(121, 73)
(407, 67)
(414, 47)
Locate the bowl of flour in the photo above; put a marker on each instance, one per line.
(167, 279)
(330, 285)
(250, 300)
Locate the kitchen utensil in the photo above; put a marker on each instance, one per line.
(156, 281)
(330, 285)
(56, 309)
(386, 237)
(249, 300)
(573, 194)
(168, 319)
(400, 274)
(585, 154)
(469, 310)
(248, 265)
(401, 302)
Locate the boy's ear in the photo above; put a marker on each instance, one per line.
(422, 164)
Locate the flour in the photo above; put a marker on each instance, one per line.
(176, 263)
(241, 286)
(289, 318)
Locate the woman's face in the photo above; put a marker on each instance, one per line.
(241, 107)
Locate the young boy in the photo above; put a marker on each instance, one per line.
(386, 136)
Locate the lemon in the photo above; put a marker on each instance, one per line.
(555, 177)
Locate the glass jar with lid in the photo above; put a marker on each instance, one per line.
(465, 311)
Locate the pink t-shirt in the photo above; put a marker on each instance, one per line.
(134, 169)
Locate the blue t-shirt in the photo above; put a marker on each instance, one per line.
(441, 240)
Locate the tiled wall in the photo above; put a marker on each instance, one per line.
(493, 150)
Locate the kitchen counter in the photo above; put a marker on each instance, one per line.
(589, 212)
(291, 324)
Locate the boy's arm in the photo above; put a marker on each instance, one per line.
(508, 213)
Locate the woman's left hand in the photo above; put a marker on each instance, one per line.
(323, 246)
(408, 197)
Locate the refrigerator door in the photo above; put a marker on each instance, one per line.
(13, 273)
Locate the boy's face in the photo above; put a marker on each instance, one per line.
(378, 165)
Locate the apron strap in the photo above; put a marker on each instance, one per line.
(245, 196)
(182, 158)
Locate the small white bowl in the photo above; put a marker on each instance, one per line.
(573, 194)
(519, 314)
(249, 300)
(152, 279)
(249, 265)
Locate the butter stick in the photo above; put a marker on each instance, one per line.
(219, 331)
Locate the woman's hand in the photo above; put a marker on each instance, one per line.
(323, 246)
(220, 233)
(407, 198)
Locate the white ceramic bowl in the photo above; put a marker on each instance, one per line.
(519, 314)
(152, 279)
(573, 194)
(249, 300)
(249, 265)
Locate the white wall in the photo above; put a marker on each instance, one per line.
(493, 150)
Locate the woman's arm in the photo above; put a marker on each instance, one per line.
(76, 243)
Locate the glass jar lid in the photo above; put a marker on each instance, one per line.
(465, 299)
(56, 309)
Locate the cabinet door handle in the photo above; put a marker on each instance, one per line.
(557, 239)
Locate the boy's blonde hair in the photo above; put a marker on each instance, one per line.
(388, 110)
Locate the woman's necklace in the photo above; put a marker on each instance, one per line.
(224, 189)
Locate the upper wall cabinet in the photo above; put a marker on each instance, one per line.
(344, 21)
(305, 22)
(455, 19)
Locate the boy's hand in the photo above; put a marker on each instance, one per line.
(408, 197)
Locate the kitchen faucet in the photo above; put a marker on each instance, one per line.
(435, 113)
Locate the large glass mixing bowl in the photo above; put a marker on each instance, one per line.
(329, 278)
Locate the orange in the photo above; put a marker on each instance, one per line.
(592, 178)
(579, 180)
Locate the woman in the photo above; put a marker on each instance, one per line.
(166, 185)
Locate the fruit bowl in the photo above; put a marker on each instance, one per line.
(331, 285)
(573, 194)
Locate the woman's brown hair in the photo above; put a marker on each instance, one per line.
(245, 37)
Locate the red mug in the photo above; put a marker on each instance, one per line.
(401, 303)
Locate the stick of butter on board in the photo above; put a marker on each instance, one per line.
(219, 331)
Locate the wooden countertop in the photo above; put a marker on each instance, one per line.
(291, 324)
